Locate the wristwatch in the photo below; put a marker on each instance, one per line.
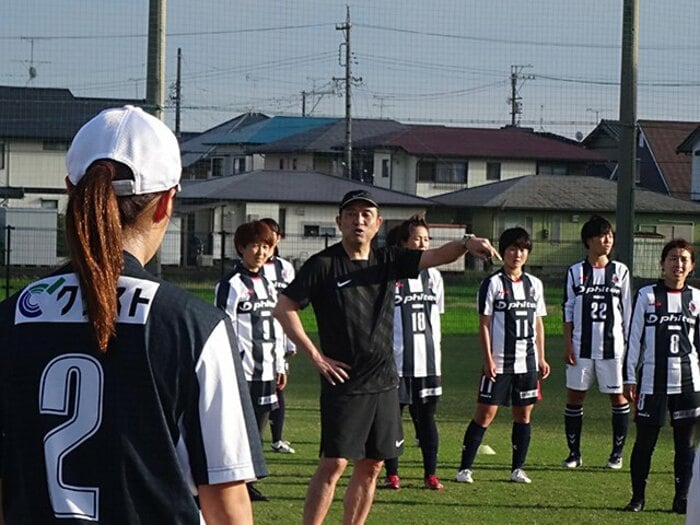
(466, 238)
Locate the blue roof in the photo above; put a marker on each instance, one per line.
(271, 130)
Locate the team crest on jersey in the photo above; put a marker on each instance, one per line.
(58, 300)
(533, 292)
(615, 279)
(692, 307)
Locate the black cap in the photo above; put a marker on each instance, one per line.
(358, 195)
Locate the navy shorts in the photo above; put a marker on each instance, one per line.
(650, 409)
(507, 389)
(361, 426)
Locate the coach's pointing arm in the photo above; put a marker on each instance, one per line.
(451, 251)
(287, 313)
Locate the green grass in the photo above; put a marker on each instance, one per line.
(557, 496)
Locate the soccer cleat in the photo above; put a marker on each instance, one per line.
(282, 447)
(519, 476)
(392, 482)
(433, 483)
(635, 505)
(464, 476)
(255, 494)
(680, 505)
(615, 462)
(572, 461)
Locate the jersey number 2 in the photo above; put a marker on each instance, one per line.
(77, 378)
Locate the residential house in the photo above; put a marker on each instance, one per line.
(36, 127)
(553, 209)
(323, 149)
(690, 147)
(430, 160)
(660, 167)
(201, 159)
(235, 150)
(305, 203)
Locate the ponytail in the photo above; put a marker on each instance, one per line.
(95, 218)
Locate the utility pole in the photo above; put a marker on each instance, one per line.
(628, 145)
(155, 74)
(178, 92)
(517, 79)
(349, 79)
(155, 80)
(313, 93)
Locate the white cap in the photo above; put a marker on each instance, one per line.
(133, 137)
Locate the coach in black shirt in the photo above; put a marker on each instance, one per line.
(350, 286)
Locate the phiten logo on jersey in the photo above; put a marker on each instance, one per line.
(58, 300)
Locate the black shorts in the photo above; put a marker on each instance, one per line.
(361, 426)
(264, 395)
(650, 409)
(419, 389)
(515, 389)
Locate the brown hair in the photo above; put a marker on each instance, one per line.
(400, 234)
(681, 244)
(95, 218)
(256, 231)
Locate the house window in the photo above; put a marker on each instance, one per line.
(493, 171)
(281, 164)
(50, 204)
(239, 164)
(317, 230)
(552, 169)
(442, 172)
(2, 156)
(54, 146)
(294, 164)
(385, 168)
(217, 166)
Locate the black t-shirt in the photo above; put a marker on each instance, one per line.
(354, 306)
(121, 436)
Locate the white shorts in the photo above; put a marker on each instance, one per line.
(608, 372)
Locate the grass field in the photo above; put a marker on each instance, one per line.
(558, 496)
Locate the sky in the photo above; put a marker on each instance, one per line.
(441, 62)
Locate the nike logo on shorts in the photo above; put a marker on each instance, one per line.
(343, 283)
(399, 443)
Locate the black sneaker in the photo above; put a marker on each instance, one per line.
(255, 494)
(635, 505)
(679, 505)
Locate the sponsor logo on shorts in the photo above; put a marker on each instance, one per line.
(528, 394)
(343, 283)
(614, 387)
(398, 443)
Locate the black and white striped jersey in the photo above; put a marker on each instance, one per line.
(353, 303)
(124, 436)
(663, 341)
(513, 307)
(597, 302)
(418, 305)
(280, 273)
(249, 298)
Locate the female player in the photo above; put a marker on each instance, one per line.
(511, 307)
(418, 303)
(105, 371)
(661, 370)
(249, 298)
(280, 273)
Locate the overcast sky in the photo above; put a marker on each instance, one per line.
(447, 61)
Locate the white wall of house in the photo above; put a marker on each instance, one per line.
(28, 164)
(695, 172)
(300, 161)
(510, 169)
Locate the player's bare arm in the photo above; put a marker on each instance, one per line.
(225, 503)
(485, 338)
(542, 363)
(569, 357)
(287, 313)
(451, 251)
